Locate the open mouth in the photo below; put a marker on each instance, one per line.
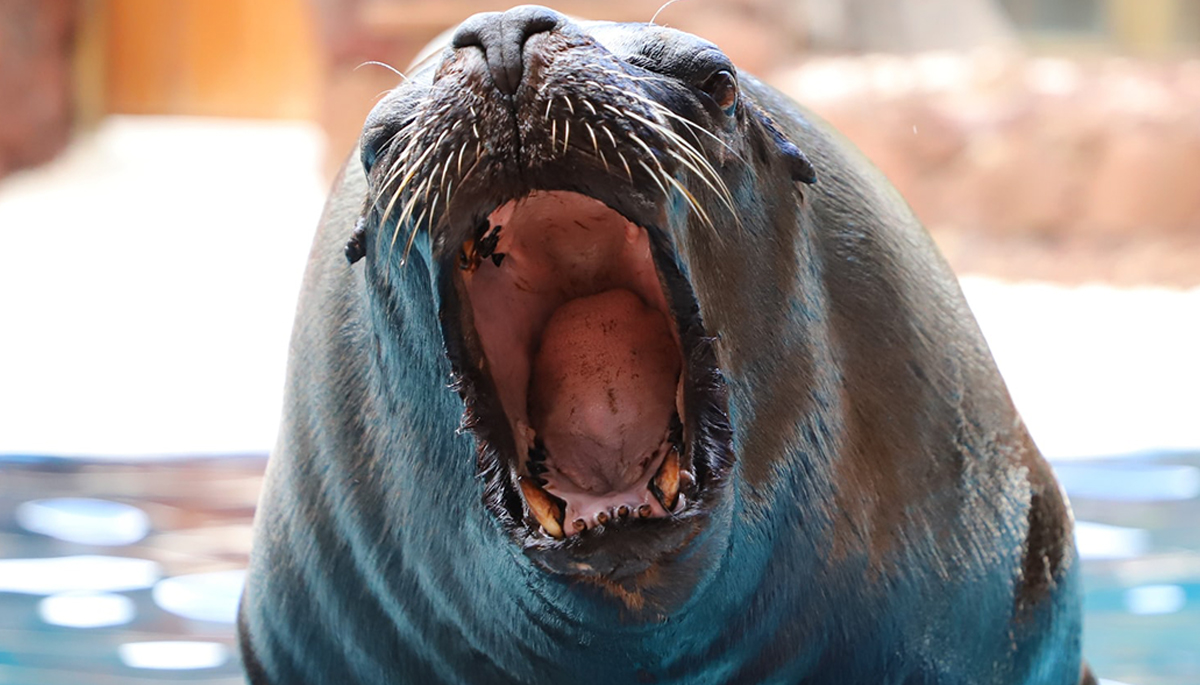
(594, 351)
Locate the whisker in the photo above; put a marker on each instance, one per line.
(404, 216)
(416, 166)
(709, 175)
(666, 4)
(654, 177)
(611, 139)
(412, 238)
(592, 134)
(445, 168)
(603, 160)
(474, 122)
(626, 163)
(663, 172)
(692, 201)
(722, 196)
(389, 67)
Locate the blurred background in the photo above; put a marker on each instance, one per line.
(163, 164)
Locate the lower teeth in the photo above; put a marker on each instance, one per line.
(550, 505)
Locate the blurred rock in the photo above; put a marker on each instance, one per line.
(1030, 159)
(906, 26)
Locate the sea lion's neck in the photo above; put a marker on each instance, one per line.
(443, 552)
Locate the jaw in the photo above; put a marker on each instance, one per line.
(590, 384)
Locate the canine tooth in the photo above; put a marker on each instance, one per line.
(687, 480)
(666, 481)
(644, 511)
(623, 511)
(545, 510)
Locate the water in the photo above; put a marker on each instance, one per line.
(119, 573)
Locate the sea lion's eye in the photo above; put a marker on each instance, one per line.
(722, 88)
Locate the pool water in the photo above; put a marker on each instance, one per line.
(117, 572)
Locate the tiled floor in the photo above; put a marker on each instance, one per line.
(147, 282)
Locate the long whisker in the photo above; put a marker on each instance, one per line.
(654, 176)
(596, 145)
(666, 4)
(692, 201)
(625, 162)
(412, 235)
(389, 67)
(686, 147)
(404, 216)
(659, 107)
(699, 165)
(663, 172)
(416, 166)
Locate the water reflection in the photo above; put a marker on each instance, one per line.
(1151, 600)
(77, 573)
(86, 610)
(202, 596)
(86, 520)
(1130, 482)
(154, 599)
(1100, 541)
(173, 655)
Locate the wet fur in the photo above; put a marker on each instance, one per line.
(887, 518)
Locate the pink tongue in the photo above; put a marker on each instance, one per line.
(603, 389)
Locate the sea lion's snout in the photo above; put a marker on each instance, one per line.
(502, 37)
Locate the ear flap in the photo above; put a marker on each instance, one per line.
(356, 248)
(801, 169)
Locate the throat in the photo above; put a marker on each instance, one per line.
(602, 392)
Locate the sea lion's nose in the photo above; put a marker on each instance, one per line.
(502, 37)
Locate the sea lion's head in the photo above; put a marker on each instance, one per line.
(565, 183)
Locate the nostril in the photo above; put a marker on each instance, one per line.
(540, 20)
(467, 36)
(502, 38)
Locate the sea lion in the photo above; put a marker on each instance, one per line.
(638, 373)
